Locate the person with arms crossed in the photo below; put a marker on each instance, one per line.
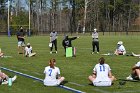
(21, 40)
(95, 42)
(135, 74)
(102, 75)
(52, 74)
(53, 41)
(29, 51)
(120, 50)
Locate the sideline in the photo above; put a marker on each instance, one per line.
(41, 80)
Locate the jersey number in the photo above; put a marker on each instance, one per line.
(50, 70)
(102, 68)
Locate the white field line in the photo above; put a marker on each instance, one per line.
(76, 84)
(41, 80)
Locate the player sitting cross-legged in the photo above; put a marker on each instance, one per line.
(120, 50)
(102, 75)
(52, 74)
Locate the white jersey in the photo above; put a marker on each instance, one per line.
(53, 36)
(102, 71)
(95, 36)
(137, 64)
(28, 51)
(102, 78)
(51, 75)
(121, 49)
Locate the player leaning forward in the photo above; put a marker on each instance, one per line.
(135, 74)
(52, 74)
(102, 75)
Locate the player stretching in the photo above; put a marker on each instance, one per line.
(102, 75)
(52, 74)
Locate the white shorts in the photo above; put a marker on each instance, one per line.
(105, 82)
(102, 83)
(21, 43)
(56, 83)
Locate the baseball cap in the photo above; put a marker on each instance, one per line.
(120, 43)
(28, 44)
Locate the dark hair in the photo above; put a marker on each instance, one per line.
(102, 60)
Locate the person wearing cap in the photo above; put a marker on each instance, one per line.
(52, 74)
(29, 51)
(53, 41)
(95, 42)
(21, 40)
(102, 75)
(120, 50)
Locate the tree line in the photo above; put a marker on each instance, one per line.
(71, 15)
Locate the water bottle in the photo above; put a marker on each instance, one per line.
(10, 81)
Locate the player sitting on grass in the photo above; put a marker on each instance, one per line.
(29, 51)
(1, 54)
(102, 75)
(52, 74)
(4, 78)
(135, 74)
(120, 49)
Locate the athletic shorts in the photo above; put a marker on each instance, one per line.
(52, 83)
(102, 83)
(21, 43)
(106, 82)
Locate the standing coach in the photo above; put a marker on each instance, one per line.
(95, 42)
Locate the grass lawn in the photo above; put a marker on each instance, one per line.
(75, 70)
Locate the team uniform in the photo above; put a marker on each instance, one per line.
(51, 76)
(102, 72)
(121, 50)
(53, 40)
(95, 42)
(28, 51)
(135, 75)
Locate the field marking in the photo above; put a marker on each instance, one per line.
(76, 84)
(41, 80)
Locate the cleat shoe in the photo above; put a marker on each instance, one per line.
(14, 78)
(5, 82)
(129, 78)
(92, 53)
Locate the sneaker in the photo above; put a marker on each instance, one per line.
(92, 53)
(51, 52)
(129, 78)
(97, 52)
(14, 78)
(56, 52)
(5, 82)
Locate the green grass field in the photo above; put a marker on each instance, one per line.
(75, 70)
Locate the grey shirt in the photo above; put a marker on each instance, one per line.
(53, 36)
